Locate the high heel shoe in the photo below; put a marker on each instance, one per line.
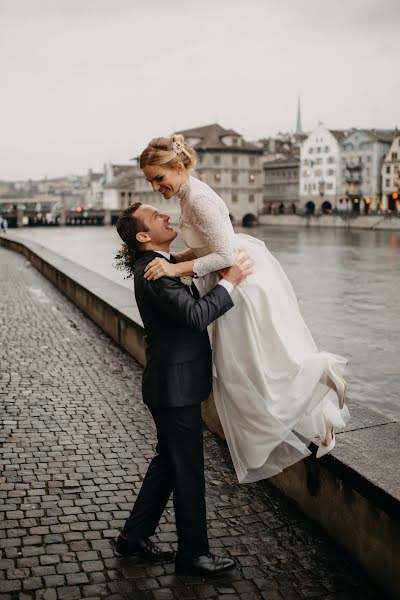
(324, 449)
(337, 383)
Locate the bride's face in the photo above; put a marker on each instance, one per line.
(164, 180)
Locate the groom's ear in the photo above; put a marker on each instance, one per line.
(143, 237)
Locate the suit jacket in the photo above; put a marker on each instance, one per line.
(178, 370)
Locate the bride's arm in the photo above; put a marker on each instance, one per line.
(206, 219)
(185, 255)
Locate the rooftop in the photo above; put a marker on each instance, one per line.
(211, 137)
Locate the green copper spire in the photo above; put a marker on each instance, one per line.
(298, 121)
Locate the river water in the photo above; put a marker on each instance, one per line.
(347, 283)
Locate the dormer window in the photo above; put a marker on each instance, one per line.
(192, 141)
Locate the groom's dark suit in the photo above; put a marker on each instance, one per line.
(176, 379)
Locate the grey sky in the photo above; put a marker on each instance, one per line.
(86, 81)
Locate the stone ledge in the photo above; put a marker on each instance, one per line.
(353, 493)
(380, 222)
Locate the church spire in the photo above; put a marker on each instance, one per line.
(298, 121)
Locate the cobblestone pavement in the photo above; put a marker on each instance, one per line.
(75, 443)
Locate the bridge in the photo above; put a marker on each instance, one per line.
(29, 216)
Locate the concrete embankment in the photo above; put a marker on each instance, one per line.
(344, 222)
(354, 493)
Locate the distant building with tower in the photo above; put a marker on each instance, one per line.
(281, 164)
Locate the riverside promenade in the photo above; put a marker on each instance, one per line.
(75, 441)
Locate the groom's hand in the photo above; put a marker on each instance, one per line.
(241, 268)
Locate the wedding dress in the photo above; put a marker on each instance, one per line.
(269, 379)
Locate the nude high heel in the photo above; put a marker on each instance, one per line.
(337, 384)
(325, 448)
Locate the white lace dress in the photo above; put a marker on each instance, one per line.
(269, 376)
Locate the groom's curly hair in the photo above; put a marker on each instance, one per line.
(128, 226)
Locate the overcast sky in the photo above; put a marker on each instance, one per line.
(87, 81)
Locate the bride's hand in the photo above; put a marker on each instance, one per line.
(159, 267)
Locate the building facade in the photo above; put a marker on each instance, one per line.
(118, 183)
(391, 177)
(94, 190)
(362, 154)
(320, 175)
(281, 185)
(232, 167)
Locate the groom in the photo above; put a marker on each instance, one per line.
(176, 379)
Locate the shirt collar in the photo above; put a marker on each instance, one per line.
(165, 254)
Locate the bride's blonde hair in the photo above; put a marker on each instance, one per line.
(168, 152)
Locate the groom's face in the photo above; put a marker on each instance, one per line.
(159, 231)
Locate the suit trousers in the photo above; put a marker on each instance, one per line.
(178, 467)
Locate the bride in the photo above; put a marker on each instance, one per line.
(273, 389)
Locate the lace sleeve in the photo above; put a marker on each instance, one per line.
(206, 218)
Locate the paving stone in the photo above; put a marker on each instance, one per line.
(69, 593)
(32, 583)
(46, 595)
(76, 440)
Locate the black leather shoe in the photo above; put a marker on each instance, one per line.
(207, 565)
(146, 549)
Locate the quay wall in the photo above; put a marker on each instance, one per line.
(381, 222)
(354, 493)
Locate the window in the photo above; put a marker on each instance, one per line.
(394, 155)
(317, 172)
(217, 159)
(388, 169)
(387, 183)
(331, 172)
(305, 162)
(310, 150)
(330, 159)
(329, 186)
(123, 194)
(319, 161)
(318, 149)
(234, 177)
(252, 161)
(327, 148)
(234, 160)
(130, 194)
(234, 198)
(251, 198)
(234, 141)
